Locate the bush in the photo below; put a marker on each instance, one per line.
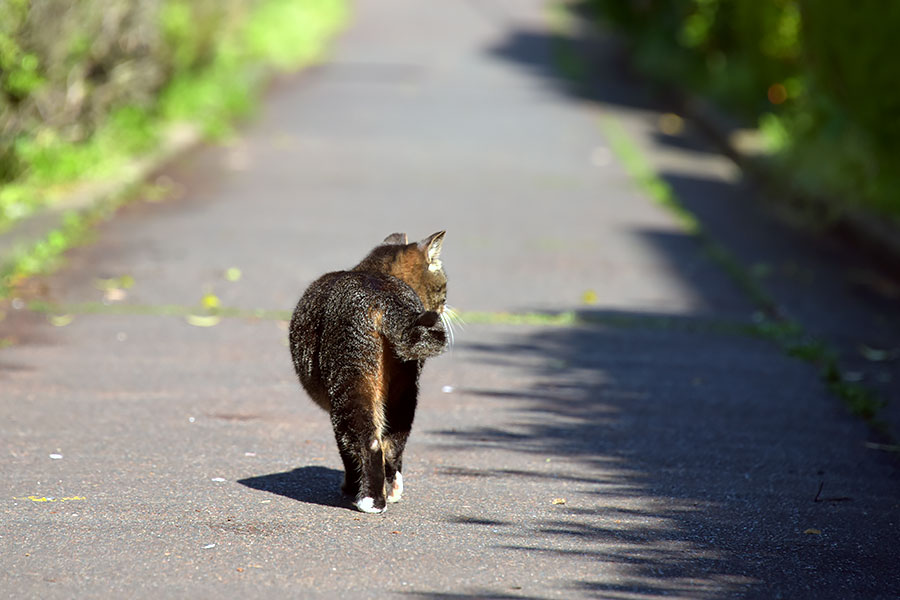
(86, 83)
(816, 75)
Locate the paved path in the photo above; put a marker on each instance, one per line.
(652, 450)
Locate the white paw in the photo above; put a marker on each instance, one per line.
(397, 490)
(367, 505)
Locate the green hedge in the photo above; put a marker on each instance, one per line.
(66, 66)
(86, 84)
(818, 76)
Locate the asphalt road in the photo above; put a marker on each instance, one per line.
(650, 449)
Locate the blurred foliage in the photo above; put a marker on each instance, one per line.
(816, 76)
(86, 84)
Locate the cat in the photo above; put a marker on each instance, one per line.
(358, 340)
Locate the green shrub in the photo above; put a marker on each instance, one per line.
(818, 76)
(84, 85)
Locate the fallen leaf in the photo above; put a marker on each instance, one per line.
(671, 124)
(210, 301)
(884, 447)
(559, 501)
(874, 354)
(812, 531)
(61, 320)
(203, 320)
(114, 294)
(124, 282)
(395, 532)
(50, 498)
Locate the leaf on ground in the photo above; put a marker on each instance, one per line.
(671, 124)
(203, 320)
(61, 320)
(853, 376)
(210, 301)
(559, 501)
(114, 294)
(874, 354)
(124, 282)
(812, 531)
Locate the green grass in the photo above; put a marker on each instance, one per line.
(155, 310)
(45, 255)
(787, 335)
(521, 319)
(279, 34)
(557, 319)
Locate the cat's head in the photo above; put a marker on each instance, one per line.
(418, 264)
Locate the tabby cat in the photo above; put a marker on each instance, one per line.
(358, 339)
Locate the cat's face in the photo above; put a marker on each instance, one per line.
(419, 265)
(435, 286)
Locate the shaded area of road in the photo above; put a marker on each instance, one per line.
(841, 293)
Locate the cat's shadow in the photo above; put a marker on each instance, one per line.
(311, 484)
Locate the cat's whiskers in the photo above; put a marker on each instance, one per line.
(454, 316)
(446, 321)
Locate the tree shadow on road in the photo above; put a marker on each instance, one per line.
(310, 484)
(589, 62)
(690, 457)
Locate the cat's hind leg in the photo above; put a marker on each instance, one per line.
(393, 462)
(357, 419)
(400, 410)
(352, 476)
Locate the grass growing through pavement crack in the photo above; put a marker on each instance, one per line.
(787, 335)
(570, 318)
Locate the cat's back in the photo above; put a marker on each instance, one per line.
(338, 322)
(344, 299)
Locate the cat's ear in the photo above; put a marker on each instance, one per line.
(431, 247)
(396, 238)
